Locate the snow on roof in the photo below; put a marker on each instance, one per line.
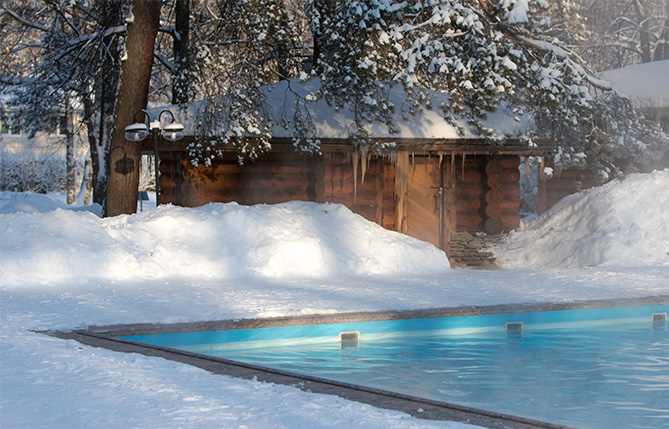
(332, 123)
(285, 97)
(646, 85)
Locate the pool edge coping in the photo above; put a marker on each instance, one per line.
(106, 337)
(367, 316)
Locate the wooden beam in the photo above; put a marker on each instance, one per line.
(456, 146)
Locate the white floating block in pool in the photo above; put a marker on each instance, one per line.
(349, 339)
(659, 321)
(514, 326)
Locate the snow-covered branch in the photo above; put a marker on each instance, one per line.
(23, 21)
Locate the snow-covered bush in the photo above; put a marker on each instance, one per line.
(24, 173)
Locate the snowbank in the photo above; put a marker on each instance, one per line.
(65, 270)
(27, 202)
(624, 223)
(214, 241)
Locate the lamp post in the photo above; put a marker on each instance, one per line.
(139, 131)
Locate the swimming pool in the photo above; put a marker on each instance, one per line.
(589, 368)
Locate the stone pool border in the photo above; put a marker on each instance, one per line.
(105, 337)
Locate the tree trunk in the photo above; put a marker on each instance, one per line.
(180, 76)
(124, 156)
(662, 48)
(98, 177)
(99, 104)
(70, 159)
(84, 194)
(644, 31)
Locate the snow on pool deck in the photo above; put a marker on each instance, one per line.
(64, 270)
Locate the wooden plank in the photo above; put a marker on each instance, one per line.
(503, 208)
(449, 206)
(511, 190)
(378, 217)
(472, 224)
(463, 205)
(366, 211)
(260, 183)
(493, 226)
(541, 191)
(422, 219)
(510, 162)
(389, 214)
(259, 168)
(469, 175)
(567, 185)
(495, 182)
(470, 189)
(511, 175)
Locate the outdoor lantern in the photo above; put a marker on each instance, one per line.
(173, 131)
(138, 131)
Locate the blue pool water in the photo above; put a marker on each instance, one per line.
(596, 368)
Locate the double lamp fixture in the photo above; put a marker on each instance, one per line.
(139, 131)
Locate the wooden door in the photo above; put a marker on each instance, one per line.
(430, 212)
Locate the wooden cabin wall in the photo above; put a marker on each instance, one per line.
(470, 188)
(369, 195)
(564, 182)
(276, 177)
(502, 199)
(486, 197)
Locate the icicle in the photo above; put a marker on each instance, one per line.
(355, 177)
(364, 163)
(401, 185)
(453, 162)
(464, 155)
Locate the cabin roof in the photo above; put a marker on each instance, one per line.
(286, 99)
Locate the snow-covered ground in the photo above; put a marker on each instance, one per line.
(620, 224)
(66, 269)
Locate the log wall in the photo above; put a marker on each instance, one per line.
(366, 189)
(503, 195)
(278, 177)
(470, 188)
(486, 196)
(564, 182)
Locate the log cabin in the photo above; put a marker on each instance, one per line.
(429, 182)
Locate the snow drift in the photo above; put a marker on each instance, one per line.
(52, 383)
(213, 241)
(624, 223)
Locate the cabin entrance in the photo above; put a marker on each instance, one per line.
(430, 200)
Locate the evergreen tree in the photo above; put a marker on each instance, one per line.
(481, 53)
